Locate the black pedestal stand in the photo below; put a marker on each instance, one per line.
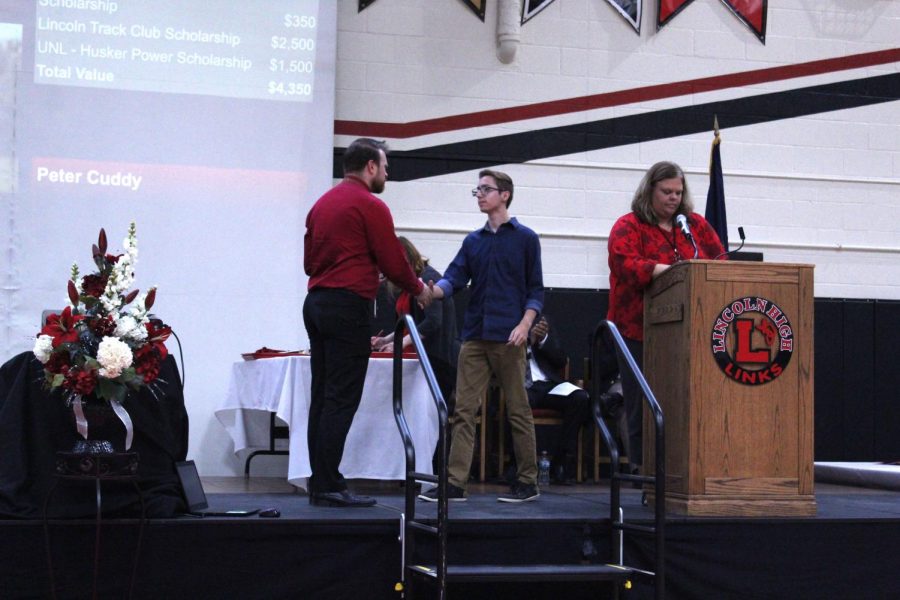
(97, 468)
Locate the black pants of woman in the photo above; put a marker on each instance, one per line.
(634, 402)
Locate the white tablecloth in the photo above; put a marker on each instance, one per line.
(373, 450)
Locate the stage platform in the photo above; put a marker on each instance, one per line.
(850, 549)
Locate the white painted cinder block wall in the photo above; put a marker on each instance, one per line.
(822, 189)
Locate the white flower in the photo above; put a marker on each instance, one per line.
(130, 243)
(138, 310)
(114, 356)
(139, 333)
(131, 328)
(43, 347)
(123, 272)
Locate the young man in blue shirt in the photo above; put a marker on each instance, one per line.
(502, 260)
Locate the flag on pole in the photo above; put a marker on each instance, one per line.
(715, 196)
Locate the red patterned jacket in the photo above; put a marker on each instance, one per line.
(635, 247)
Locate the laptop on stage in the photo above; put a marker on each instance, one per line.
(195, 497)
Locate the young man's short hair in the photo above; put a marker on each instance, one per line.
(504, 182)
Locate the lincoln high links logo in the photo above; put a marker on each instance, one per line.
(752, 340)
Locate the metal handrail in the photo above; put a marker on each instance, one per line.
(406, 322)
(616, 478)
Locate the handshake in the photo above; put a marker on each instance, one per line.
(429, 293)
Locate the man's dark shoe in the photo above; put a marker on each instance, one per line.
(521, 492)
(454, 494)
(342, 499)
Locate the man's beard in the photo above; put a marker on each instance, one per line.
(377, 186)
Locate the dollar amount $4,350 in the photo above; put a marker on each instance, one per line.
(289, 88)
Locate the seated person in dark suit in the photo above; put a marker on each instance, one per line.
(436, 325)
(547, 389)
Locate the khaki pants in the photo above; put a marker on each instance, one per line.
(477, 361)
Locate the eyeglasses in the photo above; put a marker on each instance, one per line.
(484, 190)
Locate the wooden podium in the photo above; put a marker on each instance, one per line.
(728, 352)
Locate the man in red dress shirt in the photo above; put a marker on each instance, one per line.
(349, 239)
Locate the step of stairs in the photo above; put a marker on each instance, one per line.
(487, 573)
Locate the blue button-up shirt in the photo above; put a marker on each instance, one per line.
(506, 275)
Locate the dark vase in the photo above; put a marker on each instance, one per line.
(105, 431)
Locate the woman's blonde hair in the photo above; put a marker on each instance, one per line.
(642, 203)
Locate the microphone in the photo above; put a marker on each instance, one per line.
(741, 234)
(682, 222)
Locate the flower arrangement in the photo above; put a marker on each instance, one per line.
(104, 343)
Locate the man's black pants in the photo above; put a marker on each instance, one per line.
(576, 409)
(338, 323)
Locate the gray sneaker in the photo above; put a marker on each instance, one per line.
(520, 492)
(454, 494)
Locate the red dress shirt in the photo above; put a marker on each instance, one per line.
(635, 248)
(349, 238)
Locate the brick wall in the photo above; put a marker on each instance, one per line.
(820, 188)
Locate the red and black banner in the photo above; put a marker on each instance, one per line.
(667, 9)
(751, 12)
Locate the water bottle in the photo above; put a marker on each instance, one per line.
(544, 469)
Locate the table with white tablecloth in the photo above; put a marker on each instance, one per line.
(374, 449)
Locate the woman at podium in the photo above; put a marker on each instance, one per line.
(661, 230)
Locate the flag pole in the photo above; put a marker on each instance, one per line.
(715, 196)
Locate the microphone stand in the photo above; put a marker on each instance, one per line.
(738, 249)
(687, 234)
(693, 243)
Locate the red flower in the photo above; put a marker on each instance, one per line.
(62, 327)
(150, 299)
(93, 285)
(148, 357)
(102, 326)
(157, 334)
(146, 362)
(81, 381)
(73, 293)
(58, 363)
